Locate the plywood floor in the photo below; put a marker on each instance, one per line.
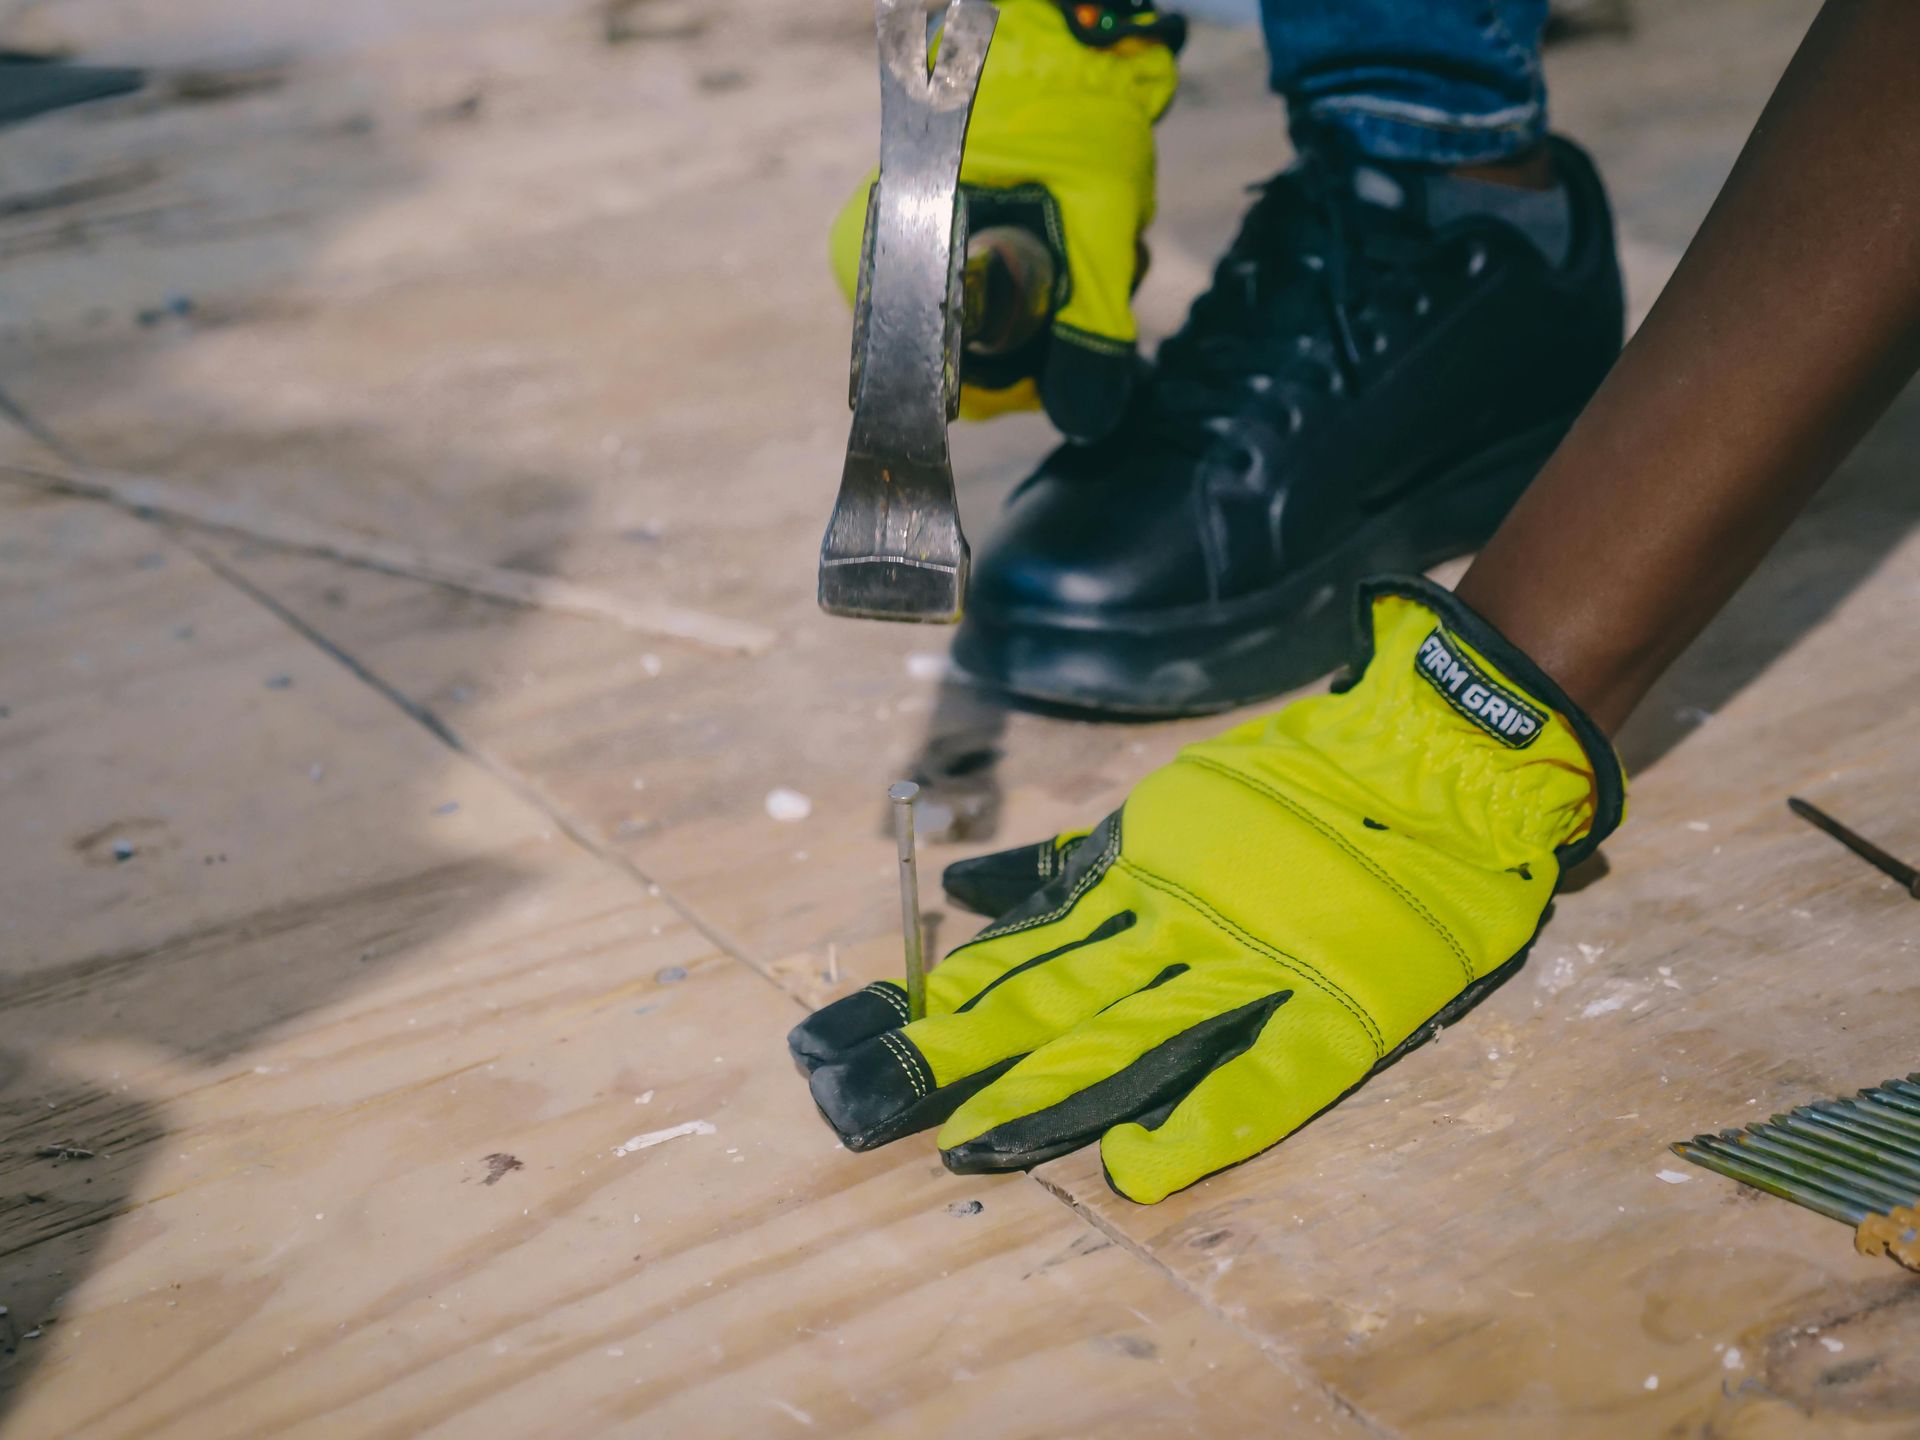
(372, 933)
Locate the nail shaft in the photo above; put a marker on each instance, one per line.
(1895, 1094)
(903, 795)
(1869, 1123)
(1897, 870)
(1828, 1160)
(1882, 1159)
(1856, 1160)
(1740, 1168)
(1840, 1181)
(1905, 1087)
(1855, 1125)
(1796, 1174)
(1887, 1117)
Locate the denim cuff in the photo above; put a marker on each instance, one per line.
(1422, 82)
(1398, 130)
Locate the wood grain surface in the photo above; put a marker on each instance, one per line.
(356, 924)
(358, 1132)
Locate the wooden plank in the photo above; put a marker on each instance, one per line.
(701, 465)
(1551, 1272)
(365, 1099)
(1480, 1243)
(669, 755)
(314, 1248)
(143, 495)
(1494, 1229)
(534, 343)
(173, 755)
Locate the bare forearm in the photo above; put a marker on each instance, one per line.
(1790, 325)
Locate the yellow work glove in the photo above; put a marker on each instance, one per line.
(1061, 143)
(1266, 922)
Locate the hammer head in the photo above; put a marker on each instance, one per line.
(894, 549)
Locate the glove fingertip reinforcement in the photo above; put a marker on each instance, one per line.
(1269, 920)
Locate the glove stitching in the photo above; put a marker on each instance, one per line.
(895, 1048)
(1281, 957)
(1359, 856)
(1099, 868)
(887, 993)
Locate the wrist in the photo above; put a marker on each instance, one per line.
(1486, 704)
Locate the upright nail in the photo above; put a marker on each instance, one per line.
(903, 794)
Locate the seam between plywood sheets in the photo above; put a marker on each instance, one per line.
(583, 834)
(1287, 1364)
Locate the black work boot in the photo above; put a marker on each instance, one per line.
(1365, 386)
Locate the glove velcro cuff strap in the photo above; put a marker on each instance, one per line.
(1610, 784)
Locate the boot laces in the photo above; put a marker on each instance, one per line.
(1311, 294)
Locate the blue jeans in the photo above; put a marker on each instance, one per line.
(1437, 82)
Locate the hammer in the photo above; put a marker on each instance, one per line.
(894, 549)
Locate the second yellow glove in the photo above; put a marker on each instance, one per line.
(1061, 143)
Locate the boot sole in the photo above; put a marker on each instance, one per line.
(1202, 660)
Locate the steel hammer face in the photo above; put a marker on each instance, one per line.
(894, 549)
